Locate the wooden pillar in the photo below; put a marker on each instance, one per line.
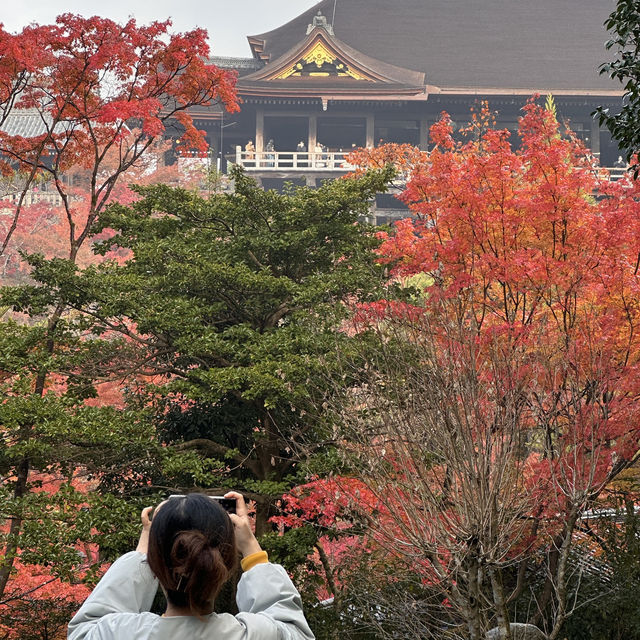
(260, 130)
(595, 137)
(215, 144)
(370, 130)
(313, 133)
(424, 134)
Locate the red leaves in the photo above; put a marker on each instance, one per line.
(99, 90)
(533, 256)
(325, 502)
(118, 111)
(36, 603)
(442, 132)
(490, 220)
(90, 71)
(403, 156)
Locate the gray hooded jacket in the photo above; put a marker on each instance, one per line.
(118, 609)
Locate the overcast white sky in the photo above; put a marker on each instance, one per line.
(227, 21)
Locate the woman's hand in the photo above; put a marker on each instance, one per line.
(143, 543)
(245, 540)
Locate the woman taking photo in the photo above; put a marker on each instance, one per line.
(190, 546)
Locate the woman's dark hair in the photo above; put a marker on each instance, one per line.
(192, 550)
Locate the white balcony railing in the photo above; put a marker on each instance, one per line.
(615, 173)
(32, 197)
(293, 160)
(322, 161)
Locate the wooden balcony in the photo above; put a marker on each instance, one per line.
(292, 161)
(615, 173)
(328, 162)
(9, 201)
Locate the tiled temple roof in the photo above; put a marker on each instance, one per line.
(470, 44)
(242, 65)
(24, 122)
(320, 64)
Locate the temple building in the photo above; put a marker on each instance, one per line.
(355, 73)
(351, 73)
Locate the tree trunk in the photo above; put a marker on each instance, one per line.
(547, 591)
(473, 624)
(502, 614)
(561, 580)
(473, 608)
(22, 472)
(14, 530)
(268, 468)
(262, 517)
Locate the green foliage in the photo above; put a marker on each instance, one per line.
(607, 593)
(624, 25)
(550, 105)
(222, 324)
(90, 467)
(293, 548)
(235, 303)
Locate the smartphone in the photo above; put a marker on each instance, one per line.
(228, 504)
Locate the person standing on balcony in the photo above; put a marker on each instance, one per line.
(319, 150)
(270, 149)
(301, 149)
(250, 153)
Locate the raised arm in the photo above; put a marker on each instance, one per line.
(266, 596)
(127, 587)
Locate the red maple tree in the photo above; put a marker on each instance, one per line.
(98, 88)
(504, 400)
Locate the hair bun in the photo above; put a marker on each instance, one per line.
(187, 547)
(196, 562)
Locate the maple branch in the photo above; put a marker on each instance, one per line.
(29, 592)
(326, 565)
(282, 310)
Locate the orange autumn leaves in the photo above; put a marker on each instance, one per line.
(531, 258)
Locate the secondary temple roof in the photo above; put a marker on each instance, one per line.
(461, 46)
(29, 123)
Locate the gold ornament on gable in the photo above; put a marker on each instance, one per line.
(320, 61)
